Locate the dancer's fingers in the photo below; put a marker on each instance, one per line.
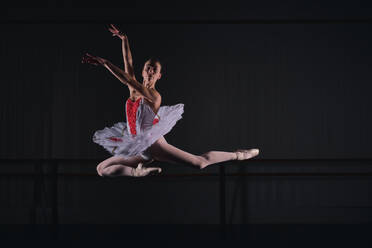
(85, 59)
(113, 26)
(89, 59)
(113, 31)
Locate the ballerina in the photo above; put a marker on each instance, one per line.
(140, 140)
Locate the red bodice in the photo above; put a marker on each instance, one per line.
(132, 114)
(131, 110)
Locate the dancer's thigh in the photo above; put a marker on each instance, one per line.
(162, 151)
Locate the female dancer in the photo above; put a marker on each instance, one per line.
(140, 141)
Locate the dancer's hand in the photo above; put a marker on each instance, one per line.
(116, 32)
(93, 60)
(143, 171)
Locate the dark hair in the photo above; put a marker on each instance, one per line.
(154, 60)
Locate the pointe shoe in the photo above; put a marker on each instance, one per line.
(142, 171)
(246, 154)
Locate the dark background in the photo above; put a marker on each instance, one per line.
(291, 78)
(293, 90)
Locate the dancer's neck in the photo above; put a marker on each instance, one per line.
(149, 84)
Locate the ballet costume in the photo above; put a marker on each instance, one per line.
(142, 129)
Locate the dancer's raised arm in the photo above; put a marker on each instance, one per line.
(123, 77)
(127, 55)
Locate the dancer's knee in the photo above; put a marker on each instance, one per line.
(201, 162)
(205, 159)
(99, 171)
(99, 168)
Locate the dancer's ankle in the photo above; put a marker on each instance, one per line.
(236, 156)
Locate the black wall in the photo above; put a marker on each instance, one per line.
(289, 77)
(294, 90)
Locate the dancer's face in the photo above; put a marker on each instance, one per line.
(151, 72)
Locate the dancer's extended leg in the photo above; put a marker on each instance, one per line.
(162, 151)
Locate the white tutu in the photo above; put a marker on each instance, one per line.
(118, 140)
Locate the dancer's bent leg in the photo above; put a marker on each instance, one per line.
(119, 166)
(162, 151)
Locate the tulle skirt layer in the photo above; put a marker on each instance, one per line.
(118, 141)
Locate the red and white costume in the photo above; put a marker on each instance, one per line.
(142, 129)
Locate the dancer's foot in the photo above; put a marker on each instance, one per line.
(246, 154)
(142, 171)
